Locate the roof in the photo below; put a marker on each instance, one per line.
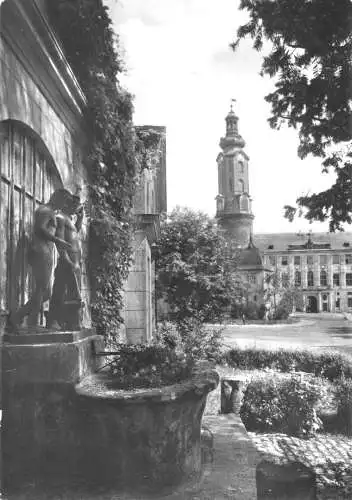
(298, 241)
(249, 258)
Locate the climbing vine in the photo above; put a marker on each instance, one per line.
(116, 153)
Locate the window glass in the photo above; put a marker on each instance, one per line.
(272, 260)
(348, 279)
(323, 260)
(323, 278)
(336, 259)
(336, 279)
(297, 278)
(284, 260)
(310, 260)
(285, 279)
(310, 278)
(348, 258)
(297, 260)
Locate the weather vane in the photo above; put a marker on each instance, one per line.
(232, 103)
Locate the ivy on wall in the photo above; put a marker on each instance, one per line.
(116, 152)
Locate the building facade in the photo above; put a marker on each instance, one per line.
(319, 265)
(42, 141)
(149, 203)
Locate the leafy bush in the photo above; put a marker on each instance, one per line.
(332, 365)
(149, 366)
(192, 337)
(281, 312)
(282, 405)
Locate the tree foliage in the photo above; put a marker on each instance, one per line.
(195, 267)
(310, 57)
(116, 153)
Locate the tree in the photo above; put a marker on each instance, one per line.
(194, 266)
(310, 57)
(286, 297)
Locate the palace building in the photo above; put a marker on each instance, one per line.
(318, 264)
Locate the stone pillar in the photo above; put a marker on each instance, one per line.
(231, 395)
(320, 307)
(138, 294)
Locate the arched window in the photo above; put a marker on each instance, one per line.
(241, 166)
(241, 185)
(323, 278)
(28, 176)
(298, 278)
(310, 278)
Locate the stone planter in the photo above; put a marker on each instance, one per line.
(143, 438)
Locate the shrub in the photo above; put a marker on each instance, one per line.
(282, 405)
(343, 393)
(148, 366)
(192, 337)
(281, 313)
(330, 365)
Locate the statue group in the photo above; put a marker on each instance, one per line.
(54, 225)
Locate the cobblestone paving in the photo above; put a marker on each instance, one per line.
(316, 453)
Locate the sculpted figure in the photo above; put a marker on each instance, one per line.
(66, 299)
(41, 259)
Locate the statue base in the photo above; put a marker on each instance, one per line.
(40, 335)
(41, 420)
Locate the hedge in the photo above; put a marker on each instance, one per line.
(330, 365)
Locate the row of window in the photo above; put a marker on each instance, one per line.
(298, 259)
(323, 279)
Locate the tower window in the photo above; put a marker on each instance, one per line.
(231, 185)
(241, 166)
(241, 185)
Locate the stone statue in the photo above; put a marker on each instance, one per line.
(66, 301)
(41, 259)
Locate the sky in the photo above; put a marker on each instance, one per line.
(183, 75)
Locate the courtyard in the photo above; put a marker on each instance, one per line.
(323, 331)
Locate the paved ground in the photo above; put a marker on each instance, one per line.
(318, 330)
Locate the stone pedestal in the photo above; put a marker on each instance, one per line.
(40, 414)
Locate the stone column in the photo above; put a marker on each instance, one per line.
(320, 307)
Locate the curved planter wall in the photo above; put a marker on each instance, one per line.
(147, 437)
